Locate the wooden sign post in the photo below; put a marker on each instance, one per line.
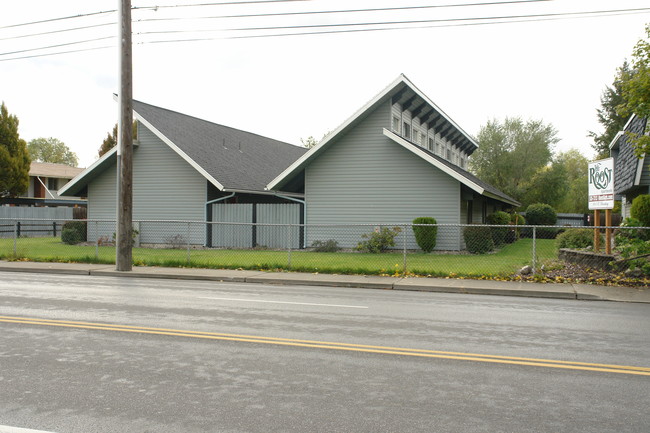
(601, 196)
(608, 231)
(596, 230)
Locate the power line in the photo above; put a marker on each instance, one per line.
(341, 11)
(93, 26)
(57, 45)
(49, 20)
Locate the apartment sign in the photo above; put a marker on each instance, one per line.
(601, 184)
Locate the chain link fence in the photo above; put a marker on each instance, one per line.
(387, 249)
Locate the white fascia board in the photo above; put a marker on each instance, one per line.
(176, 149)
(433, 161)
(250, 191)
(300, 162)
(78, 178)
(615, 139)
(639, 170)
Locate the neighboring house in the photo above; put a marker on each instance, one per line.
(631, 174)
(399, 157)
(45, 179)
(181, 166)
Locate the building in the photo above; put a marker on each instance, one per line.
(631, 174)
(397, 158)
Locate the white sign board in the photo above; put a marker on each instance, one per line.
(601, 184)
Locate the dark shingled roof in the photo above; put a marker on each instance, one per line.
(466, 174)
(625, 162)
(238, 160)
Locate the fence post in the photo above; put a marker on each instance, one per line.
(404, 249)
(16, 234)
(289, 237)
(96, 240)
(188, 243)
(534, 250)
(54, 228)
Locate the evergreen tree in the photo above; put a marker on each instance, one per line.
(14, 158)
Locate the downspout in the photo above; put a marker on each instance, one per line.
(205, 213)
(304, 214)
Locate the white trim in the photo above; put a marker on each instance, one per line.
(433, 161)
(176, 149)
(615, 139)
(247, 191)
(367, 106)
(83, 174)
(639, 170)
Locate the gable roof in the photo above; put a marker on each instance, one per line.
(402, 89)
(229, 158)
(48, 169)
(627, 167)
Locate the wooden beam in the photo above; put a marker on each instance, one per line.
(408, 102)
(416, 112)
(397, 96)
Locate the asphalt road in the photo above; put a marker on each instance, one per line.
(92, 354)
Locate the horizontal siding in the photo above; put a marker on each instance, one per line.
(165, 187)
(365, 178)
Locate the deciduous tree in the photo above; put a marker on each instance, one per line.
(14, 158)
(51, 150)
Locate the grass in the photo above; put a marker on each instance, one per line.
(505, 262)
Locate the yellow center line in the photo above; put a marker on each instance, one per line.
(537, 362)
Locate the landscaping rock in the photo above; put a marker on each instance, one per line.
(526, 270)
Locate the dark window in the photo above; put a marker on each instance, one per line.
(407, 131)
(52, 184)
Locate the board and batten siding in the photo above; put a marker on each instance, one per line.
(366, 178)
(165, 187)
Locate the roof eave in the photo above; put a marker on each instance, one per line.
(76, 184)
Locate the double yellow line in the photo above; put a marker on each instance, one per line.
(534, 362)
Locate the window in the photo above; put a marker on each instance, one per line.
(52, 184)
(395, 124)
(407, 131)
(431, 144)
(448, 154)
(423, 139)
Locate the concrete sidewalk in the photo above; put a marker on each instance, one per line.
(484, 287)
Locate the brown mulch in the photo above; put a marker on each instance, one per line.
(573, 273)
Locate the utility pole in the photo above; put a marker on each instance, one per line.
(124, 232)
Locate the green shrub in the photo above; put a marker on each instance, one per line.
(541, 214)
(478, 239)
(328, 246)
(576, 238)
(71, 236)
(641, 209)
(378, 241)
(517, 219)
(78, 227)
(499, 235)
(425, 235)
(624, 233)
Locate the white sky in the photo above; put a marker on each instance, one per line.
(289, 88)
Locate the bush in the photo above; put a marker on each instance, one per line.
(499, 235)
(328, 246)
(478, 239)
(622, 234)
(576, 238)
(425, 235)
(378, 241)
(76, 227)
(517, 219)
(541, 214)
(71, 236)
(641, 209)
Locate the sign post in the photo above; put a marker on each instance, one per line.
(601, 196)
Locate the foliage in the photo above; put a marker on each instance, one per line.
(549, 184)
(425, 235)
(517, 219)
(14, 158)
(608, 116)
(511, 152)
(631, 233)
(576, 238)
(51, 150)
(499, 235)
(641, 209)
(73, 232)
(575, 167)
(309, 142)
(378, 241)
(328, 246)
(111, 139)
(636, 91)
(631, 243)
(541, 214)
(478, 239)
(176, 241)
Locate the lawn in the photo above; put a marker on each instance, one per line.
(506, 261)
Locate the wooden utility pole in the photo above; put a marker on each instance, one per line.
(124, 232)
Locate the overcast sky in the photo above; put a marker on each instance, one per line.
(292, 87)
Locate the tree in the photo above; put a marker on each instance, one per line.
(636, 92)
(510, 153)
(14, 158)
(549, 185)
(51, 150)
(111, 139)
(608, 116)
(575, 166)
(309, 142)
